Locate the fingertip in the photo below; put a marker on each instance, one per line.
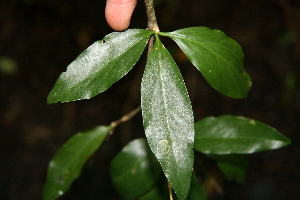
(118, 13)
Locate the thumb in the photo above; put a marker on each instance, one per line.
(118, 13)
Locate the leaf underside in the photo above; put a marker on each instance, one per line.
(229, 134)
(168, 118)
(218, 57)
(100, 65)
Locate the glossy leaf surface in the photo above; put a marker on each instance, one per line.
(100, 65)
(68, 162)
(168, 118)
(234, 166)
(236, 135)
(135, 170)
(218, 57)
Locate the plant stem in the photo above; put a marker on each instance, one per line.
(170, 191)
(152, 26)
(152, 23)
(123, 119)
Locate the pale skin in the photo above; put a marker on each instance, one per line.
(118, 13)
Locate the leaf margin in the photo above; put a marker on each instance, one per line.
(162, 143)
(207, 142)
(81, 79)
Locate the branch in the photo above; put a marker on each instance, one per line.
(152, 26)
(123, 119)
(152, 23)
(170, 191)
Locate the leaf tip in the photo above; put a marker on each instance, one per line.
(287, 141)
(51, 100)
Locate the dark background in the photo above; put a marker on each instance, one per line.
(39, 38)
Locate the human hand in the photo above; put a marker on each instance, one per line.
(118, 13)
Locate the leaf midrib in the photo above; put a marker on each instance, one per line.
(166, 112)
(93, 76)
(179, 36)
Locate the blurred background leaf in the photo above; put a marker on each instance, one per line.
(66, 165)
(234, 166)
(135, 170)
(8, 66)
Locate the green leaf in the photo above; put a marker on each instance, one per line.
(99, 66)
(196, 190)
(68, 162)
(234, 166)
(236, 135)
(218, 57)
(157, 193)
(161, 192)
(135, 170)
(168, 118)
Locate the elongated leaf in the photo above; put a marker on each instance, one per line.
(234, 135)
(233, 166)
(218, 57)
(100, 65)
(67, 163)
(168, 118)
(135, 170)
